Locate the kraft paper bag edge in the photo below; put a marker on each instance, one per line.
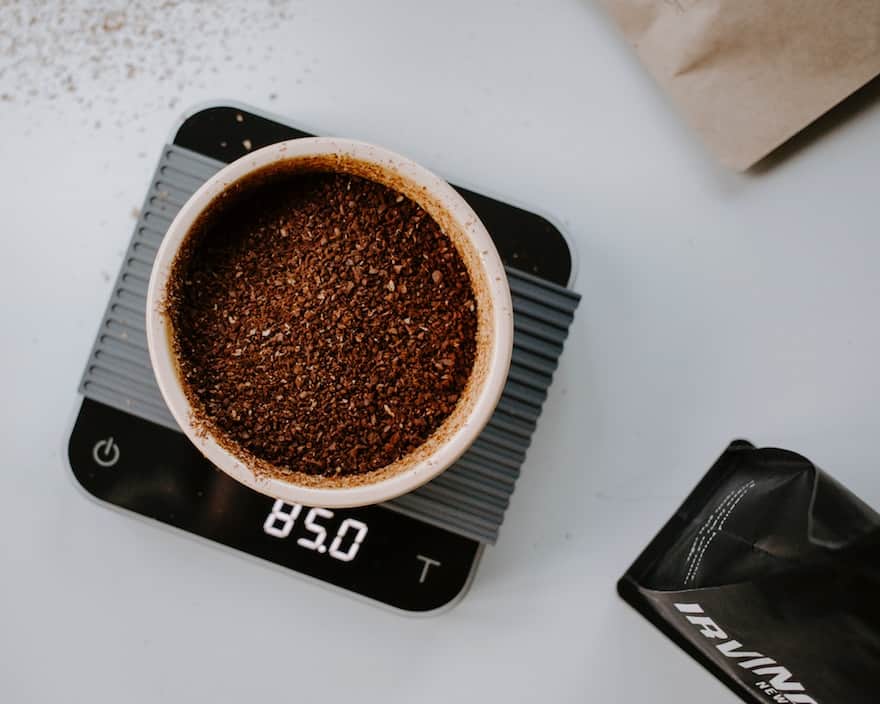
(747, 75)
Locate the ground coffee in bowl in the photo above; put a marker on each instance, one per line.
(323, 322)
(329, 323)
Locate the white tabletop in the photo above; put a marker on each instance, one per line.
(715, 306)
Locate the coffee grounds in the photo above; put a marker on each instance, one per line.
(323, 322)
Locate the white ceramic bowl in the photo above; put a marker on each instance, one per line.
(494, 313)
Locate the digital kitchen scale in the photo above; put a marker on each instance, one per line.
(417, 553)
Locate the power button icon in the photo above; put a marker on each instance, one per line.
(105, 453)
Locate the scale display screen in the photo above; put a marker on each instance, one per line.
(374, 551)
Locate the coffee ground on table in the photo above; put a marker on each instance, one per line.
(323, 322)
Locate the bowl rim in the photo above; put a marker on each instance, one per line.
(487, 394)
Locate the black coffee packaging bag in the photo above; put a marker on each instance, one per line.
(769, 576)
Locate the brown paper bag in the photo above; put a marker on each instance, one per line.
(749, 74)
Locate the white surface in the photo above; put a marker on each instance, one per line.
(715, 306)
(494, 314)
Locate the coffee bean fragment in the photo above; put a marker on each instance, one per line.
(310, 327)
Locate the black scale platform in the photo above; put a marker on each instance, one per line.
(416, 553)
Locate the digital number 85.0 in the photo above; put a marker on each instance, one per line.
(281, 520)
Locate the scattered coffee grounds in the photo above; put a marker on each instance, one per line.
(323, 323)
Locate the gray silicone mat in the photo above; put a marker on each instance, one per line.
(471, 497)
